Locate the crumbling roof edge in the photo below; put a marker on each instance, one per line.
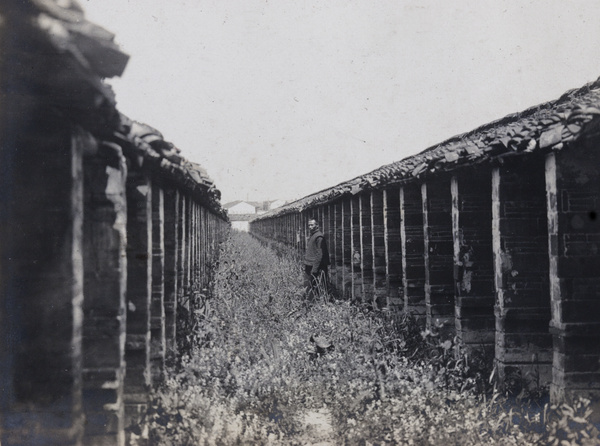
(545, 126)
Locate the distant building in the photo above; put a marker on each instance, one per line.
(242, 211)
(240, 207)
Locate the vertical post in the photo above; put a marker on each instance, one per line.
(520, 244)
(378, 250)
(157, 308)
(291, 234)
(357, 294)
(438, 255)
(333, 242)
(304, 229)
(412, 237)
(205, 246)
(172, 221)
(393, 248)
(187, 262)
(139, 280)
(473, 260)
(203, 249)
(41, 286)
(105, 278)
(366, 247)
(339, 247)
(181, 256)
(573, 200)
(193, 252)
(300, 234)
(347, 251)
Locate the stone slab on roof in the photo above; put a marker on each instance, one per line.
(548, 126)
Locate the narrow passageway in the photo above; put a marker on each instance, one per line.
(266, 367)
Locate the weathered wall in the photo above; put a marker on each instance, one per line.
(572, 184)
(98, 217)
(492, 237)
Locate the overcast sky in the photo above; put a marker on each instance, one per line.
(282, 98)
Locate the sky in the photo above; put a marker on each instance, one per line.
(278, 99)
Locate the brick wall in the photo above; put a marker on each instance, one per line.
(573, 187)
(520, 246)
(138, 378)
(393, 248)
(378, 245)
(438, 255)
(105, 276)
(366, 247)
(357, 293)
(347, 244)
(473, 259)
(42, 281)
(413, 243)
(506, 256)
(339, 247)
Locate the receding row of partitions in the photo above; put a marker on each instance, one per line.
(504, 257)
(103, 264)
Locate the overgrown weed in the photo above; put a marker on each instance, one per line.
(258, 357)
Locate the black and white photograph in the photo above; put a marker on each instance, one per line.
(318, 222)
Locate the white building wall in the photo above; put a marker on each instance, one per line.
(242, 208)
(240, 225)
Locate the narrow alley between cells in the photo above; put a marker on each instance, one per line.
(262, 365)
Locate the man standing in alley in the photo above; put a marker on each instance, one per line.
(316, 260)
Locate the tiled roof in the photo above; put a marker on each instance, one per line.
(54, 51)
(53, 55)
(549, 126)
(146, 145)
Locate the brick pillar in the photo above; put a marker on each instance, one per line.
(304, 216)
(105, 279)
(573, 188)
(378, 250)
(339, 247)
(297, 233)
(187, 261)
(520, 246)
(206, 246)
(438, 254)
(172, 219)
(412, 239)
(200, 251)
(331, 231)
(157, 310)
(193, 251)
(357, 294)
(347, 251)
(366, 247)
(41, 281)
(181, 251)
(291, 233)
(393, 248)
(201, 246)
(286, 229)
(473, 260)
(139, 286)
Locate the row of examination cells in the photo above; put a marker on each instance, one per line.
(505, 257)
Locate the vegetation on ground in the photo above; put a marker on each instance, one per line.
(259, 361)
